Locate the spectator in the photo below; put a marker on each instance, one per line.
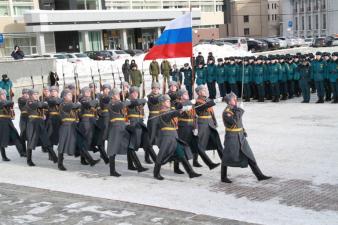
(54, 78)
(17, 53)
(7, 85)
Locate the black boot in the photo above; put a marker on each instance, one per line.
(29, 158)
(258, 173)
(130, 162)
(188, 168)
(147, 158)
(157, 174)
(320, 100)
(103, 154)
(150, 152)
(195, 162)
(21, 149)
(207, 160)
(52, 154)
(83, 161)
(137, 162)
(60, 162)
(177, 168)
(89, 158)
(4, 156)
(112, 167)
(224, 175)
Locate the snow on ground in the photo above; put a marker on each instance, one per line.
(295, 143)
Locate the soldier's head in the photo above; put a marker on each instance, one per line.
(232, 60)
(220, 61)
(126, 61)
(200, 65)
(133, 92)
(67, 95)
(5, 77)
(34, 94)
(54, 91)
(334, 56)
(46, 92)
(92, 87)
(231, 99)
(186, 65)
(154, 60)
(115, 94)
(318, 55)
(173, 86)
(25, 93)
(201, 91)
(71, 87)
(183, 94)
(86, 92)
(155, 88)
(106, 89)
(3, 94)
(165, 101)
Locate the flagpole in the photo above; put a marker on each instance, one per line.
(192, 60)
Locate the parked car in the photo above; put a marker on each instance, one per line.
(300, 42)
(59, 57)
(238, 42)
(77, 57)
(282, 42)
(335, 41)
(323, 41)
(134, 52)
(308, 41)
(256, 45)
(98, 55)
(272, 43)
(118, 54)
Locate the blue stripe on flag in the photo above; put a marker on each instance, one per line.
(174, 36)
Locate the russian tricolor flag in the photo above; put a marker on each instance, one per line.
(175, 41)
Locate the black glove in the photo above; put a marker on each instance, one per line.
(245, 134)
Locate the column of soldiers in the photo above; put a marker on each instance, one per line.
(79, 124)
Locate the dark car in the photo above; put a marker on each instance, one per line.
(134, 52)
(323, 41)
(256, 45)
(272, 43)
(98, 55)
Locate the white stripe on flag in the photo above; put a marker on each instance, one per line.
(183, 21)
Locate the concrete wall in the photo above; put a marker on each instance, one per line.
(20, 72)
(207, 33)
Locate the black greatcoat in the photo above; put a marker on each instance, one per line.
(36, 129)
(9, 135)
(118, 136)
(208, 136)
(236, 148)
(154, 110)
(23, 118)
(171, 147)
(53, 119)
(104, 118)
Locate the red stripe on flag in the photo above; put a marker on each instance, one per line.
(179, 50)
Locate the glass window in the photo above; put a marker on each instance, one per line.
(4, 8)
(246, 31)
(95, 40)
(246, 19)
(309, 23)
(324, 21)
(87, 4)
(303, 23)
(317, 23)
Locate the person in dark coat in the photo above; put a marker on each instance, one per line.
(9, 134)
(208, 137)
(54, 79)
(187, 131)
(304, 70)
(126, 70)
(71, 140)
(237, 152)
(17, 53)
(23, 116)
(103, 112)
(88, 123)
(199, 59)
(171, 147)
(36, 129)
(53, 120)
(139, 136)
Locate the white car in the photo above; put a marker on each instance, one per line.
(282, 42)
(77, 57)
(308, 41)
(118, 54)
(335, 41)
(238, 42)
(60, 57)
(300, 42)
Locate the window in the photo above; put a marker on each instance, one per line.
(20, 6)
(303, 23)
(268, 6)
(317, 23)
(4, 9)
(309, 23)
(324, 21)
(246, 31)
(296, 23)
(269, 17)
(323, 4)
(246, 19)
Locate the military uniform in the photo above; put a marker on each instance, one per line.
(304, 81)
(317, 74)
(211, 79)
(274, 76)
(232, 72)
(53, 120)
(165, 71)
(188, 79)
(220, 77)
(154, 106)
(23, 118)
(154, 70)
(333, 77)
(136, 77)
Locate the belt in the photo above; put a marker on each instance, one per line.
(54, 113)
(135, 116)
(35, 117)
(24, 112)
(68, 120)
(105, 110)
(117, 119)
(154, 112)
(87, 115)
(5, 116)
(168, 128)
(204, 117)
(234, 129)
(185, 120)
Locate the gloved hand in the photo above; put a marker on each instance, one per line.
(241, 105)
(187, 108)
(195, 132)
(146, 98)
(218, 100)
(193, 101)
(245, 134)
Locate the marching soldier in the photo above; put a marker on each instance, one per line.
(125, 91)
(171, 147)
(36, 130)
(103, 121)
(23, 116)
(237, 152)
(154, 106)
(9, 134)
(139, 137)
(208, 137)
(45, 94)
(53, 120)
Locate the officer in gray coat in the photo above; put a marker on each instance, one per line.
(237, 152)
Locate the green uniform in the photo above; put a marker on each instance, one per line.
(136, 78)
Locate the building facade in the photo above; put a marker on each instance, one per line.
(310, 18)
